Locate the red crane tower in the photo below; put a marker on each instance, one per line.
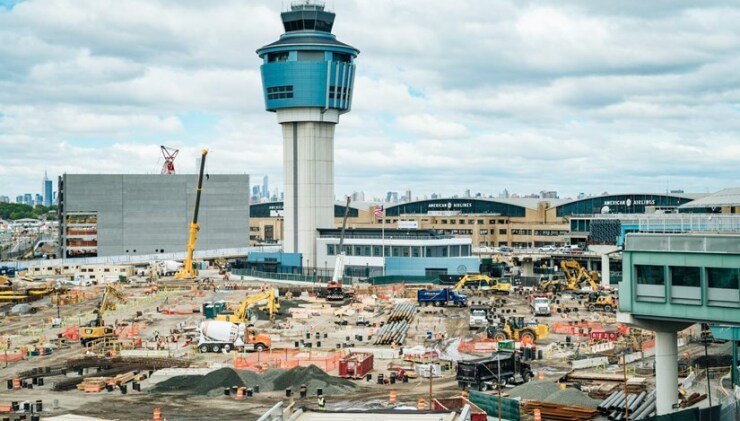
(169, 160)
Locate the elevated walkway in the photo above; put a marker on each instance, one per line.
(145, 258)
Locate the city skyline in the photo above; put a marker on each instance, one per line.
(578, 96)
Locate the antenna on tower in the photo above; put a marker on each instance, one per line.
(169, 155)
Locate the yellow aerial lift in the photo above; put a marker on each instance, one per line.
(241, 315)
(483, 283)
(97, 329)
(187, 271)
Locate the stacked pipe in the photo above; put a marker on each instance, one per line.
(402, 312)
(639, 406)
(392, 333)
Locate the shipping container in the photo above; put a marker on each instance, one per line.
(356, 365)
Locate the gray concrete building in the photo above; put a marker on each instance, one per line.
(131, 214)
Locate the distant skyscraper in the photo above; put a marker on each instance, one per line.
(19, 199)
(4, 199)
(265, 187)
(358, 196)
(467, 193)
(504, 194)
(39, 199)
(548, 194)
(28, 199)
(46, 190)
(408, 195)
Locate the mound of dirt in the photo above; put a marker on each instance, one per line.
(200, 385)
(313, 377)
(214, 382)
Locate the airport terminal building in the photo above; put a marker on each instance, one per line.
(133, 214)
(488, 222)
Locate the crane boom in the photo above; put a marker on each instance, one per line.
(187, 271)
(339, 265)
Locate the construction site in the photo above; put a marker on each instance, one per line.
(154, 298)
(178, 347)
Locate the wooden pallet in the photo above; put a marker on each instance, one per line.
(557, 412)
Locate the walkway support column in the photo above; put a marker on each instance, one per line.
(605, 274)
(666, 371)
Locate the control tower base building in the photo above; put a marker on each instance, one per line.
(307, 79)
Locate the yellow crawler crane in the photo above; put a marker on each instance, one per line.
(187, 271)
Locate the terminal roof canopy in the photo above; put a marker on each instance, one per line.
(722, 199)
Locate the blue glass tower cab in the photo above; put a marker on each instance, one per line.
(307, 79)
(308, 66)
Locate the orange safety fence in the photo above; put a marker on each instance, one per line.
(71, 333)
(575, 328)
(648, 344)
(11, 357)
(170, 311)
(286, 359)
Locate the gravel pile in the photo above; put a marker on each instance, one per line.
(214, 382)
(314, 378)
(200, 385)
(550, 392)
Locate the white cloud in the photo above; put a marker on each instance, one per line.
(481, 94)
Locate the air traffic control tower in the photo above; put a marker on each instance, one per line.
(307, 80)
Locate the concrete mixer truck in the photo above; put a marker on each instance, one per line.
(217, 336)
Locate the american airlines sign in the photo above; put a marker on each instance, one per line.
(630, 202)
(450, 205)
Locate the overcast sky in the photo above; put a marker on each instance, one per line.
(574, 96)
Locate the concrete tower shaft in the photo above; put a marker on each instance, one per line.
(307, 78)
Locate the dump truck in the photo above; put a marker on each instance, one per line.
(441, 297)
(539, 304)
(501, 368)
(479, 317)
(215, 336)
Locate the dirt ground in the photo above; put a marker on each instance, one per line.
(314, 316)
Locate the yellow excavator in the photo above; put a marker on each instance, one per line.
(97, 329)
(483, 283)
(241, 315)
(575, 277)
(187, 271)
(221, 264)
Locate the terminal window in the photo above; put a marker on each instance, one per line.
(722, 278)
(685, 276)
(650, 275)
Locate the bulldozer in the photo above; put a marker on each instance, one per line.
(483, 283)
(517, 329)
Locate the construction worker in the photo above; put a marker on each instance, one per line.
(322, 402)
